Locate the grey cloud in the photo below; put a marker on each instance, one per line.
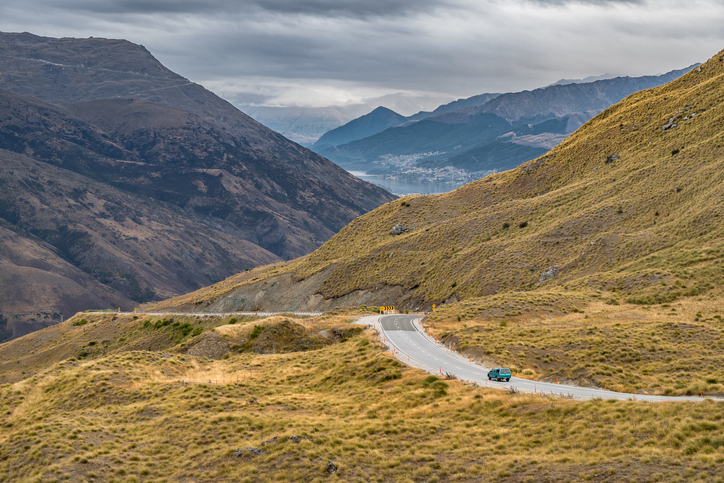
(557, 3)
(318, 8)
(460, 48)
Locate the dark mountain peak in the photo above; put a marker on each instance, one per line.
(382, 110)
(368, 125)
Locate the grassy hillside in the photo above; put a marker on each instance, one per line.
(647, 217)
(598, 263)
(172, 416)
(621, 206)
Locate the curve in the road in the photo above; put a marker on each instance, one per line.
(404, 334)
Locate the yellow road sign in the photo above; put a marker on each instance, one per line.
(433, 306)
(386, 307)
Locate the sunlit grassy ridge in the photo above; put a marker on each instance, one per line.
(128, 417)
(650, 214)
(95, 335)
(603, 224)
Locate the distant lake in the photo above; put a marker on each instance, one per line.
(401, 188)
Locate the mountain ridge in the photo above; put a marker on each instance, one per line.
(100, 164)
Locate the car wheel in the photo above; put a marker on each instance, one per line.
(507, 380)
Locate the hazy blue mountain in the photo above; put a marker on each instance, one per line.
(362, 127)
(590, 78)
(383, 118)
(474, 101)
(501, 133)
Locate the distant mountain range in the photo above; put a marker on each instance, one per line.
(490, 132)
(383, 118)
(123, 182)
(305, 125)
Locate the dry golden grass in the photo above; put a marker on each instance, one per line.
(633, 239)
(670, 349)
(127, 417)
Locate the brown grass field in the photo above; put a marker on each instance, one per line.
(135, 416)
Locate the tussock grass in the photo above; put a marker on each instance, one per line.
(670, 349)
(127, 417)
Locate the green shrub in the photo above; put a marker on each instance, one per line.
(256, 332)
(198, 331)
(80, 322)
(185, 329)
(523, 224)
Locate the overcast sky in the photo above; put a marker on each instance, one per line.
(335, 52)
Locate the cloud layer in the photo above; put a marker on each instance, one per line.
(325, 52)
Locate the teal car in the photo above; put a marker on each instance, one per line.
(499, 374)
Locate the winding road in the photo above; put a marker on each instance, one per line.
(405, 336)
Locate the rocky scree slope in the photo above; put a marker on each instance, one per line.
(631, 202)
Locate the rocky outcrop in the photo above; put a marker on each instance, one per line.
(548, 274)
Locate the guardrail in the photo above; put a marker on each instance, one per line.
(224, 314)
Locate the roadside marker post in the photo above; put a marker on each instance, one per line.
(535, 388)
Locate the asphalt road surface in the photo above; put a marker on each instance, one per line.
(403, 333)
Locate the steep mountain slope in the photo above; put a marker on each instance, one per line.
(538, 119)
(362, 127)
(629, 203)
(144, 199)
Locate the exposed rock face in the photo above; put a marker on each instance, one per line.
(671, 124)
(611, 158)
(548, 274)
(398, 229)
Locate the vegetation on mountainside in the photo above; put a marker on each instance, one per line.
(646, 215)
(668, 349)
(92, 335)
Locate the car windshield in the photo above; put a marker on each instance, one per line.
(505, 371)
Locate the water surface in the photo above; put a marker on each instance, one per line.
(403, 187)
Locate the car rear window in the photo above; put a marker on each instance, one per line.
(505, 371)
